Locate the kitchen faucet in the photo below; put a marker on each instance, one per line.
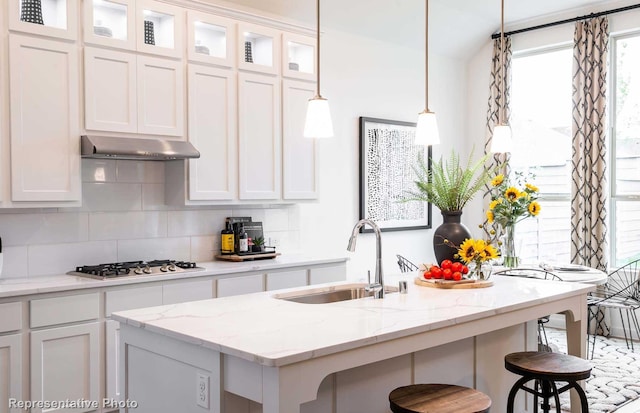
(378, 284)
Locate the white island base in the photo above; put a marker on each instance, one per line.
(255, 353)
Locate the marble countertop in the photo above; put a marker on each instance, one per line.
(13, 287)
(274, 332)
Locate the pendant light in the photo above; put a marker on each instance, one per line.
(318, 121)
(427, 129)
(501, 140)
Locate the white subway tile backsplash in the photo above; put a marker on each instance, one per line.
(98, 170)
(151, 172)
(294, 218)
(155, 249)
(26, 229)
(153, 197)
(15, 262)
(111, 197)
(276, 219)
(199, 222)
(204, 248)
(257, 214)
(127, 225)
(59, 258)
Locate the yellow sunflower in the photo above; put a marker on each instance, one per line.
(490, 216)
(512, 193)
(497, 180)
(490, 252)
(467, 250)
(495, 203)
(531, 187)
(534, 208)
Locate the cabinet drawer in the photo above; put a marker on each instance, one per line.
(69, 309)
(11, 319)
(286, 279)
(240, 285)
(133, 298)
(321, 275)
(182, 292)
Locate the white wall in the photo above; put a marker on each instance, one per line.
(123, 215)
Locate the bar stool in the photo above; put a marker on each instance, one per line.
(547, 369)
(438, 398)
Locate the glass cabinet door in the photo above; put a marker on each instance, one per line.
(160, 28)
(298, 56)
(54, 18)
(258, 49)
(110, 23)
(211, 39)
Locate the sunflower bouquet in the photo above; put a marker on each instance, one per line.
(475, 253)
(511, 202)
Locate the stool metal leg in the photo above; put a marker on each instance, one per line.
(513, 391)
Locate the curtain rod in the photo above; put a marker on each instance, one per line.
(575, 19)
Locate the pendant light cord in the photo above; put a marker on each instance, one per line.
(501, 113)
(426, 55)
(318, 47)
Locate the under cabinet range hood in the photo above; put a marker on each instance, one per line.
(110, 147)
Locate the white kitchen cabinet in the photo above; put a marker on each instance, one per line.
(110, 90)
(182, 292)
(212, 129)
(211, 39)
(125, 92)
(240, 285)
(300, 168)
(10, 370)
(110, 23)
(298, 56)
(258, 48)
(326, 274)
(65, 364)
(286, 279)
(45, 138)
(259, 138)
(132, 297)
(112, 358)
(59, 18)
(167, 25)
(160, 96)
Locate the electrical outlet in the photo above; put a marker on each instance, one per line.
(275, 242)
(202, 391)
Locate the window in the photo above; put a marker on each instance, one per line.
(541, 122)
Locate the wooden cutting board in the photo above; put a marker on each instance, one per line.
(248, 257)
(446, 284)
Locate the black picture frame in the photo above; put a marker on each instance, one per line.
(387, 157)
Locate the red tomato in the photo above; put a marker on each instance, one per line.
(447, 273)
(436, 272)
(446, 264)
(427, 275)
(456, 267)
(457, 276)
(465, 269)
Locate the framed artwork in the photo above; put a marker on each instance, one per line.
(387, 157)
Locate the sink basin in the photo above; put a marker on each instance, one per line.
(331, 294)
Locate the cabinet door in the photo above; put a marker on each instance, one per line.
(65, 364)
(240, 285)
(259, 136)
(212, 129)
(258, 48)
(112, 359)
(299, 154)
(110, 90)
(10, 370)
(160, 96)
(211, 39)
(298, 56)
(163, 22)
(110, 23)
(59, 19)
(45, 138)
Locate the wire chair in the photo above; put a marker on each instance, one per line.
(622, 293)
(540, 274)
(406, 265)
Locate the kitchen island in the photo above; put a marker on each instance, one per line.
(193, 357)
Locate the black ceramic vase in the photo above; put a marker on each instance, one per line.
(448, 236)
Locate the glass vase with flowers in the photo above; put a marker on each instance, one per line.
(511, 202)
(477, 254)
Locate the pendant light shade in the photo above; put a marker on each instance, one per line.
(502, 140)
(427, 128)
(318, 121)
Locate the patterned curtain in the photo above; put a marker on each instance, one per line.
(494, 107)
(588, 187)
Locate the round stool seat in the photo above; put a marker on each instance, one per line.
(548, 366)
(438, 398)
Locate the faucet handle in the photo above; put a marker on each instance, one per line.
(372, 287)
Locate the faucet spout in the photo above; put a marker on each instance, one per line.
(378, 284)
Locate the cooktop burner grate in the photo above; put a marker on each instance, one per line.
(132, 268)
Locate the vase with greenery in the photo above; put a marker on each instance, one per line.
(449, 186)
(258, 244)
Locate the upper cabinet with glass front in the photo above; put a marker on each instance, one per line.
(211, 39)
(159, 28)
(258, 48)
(53, 18)
(298, 56)
(110, 23)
